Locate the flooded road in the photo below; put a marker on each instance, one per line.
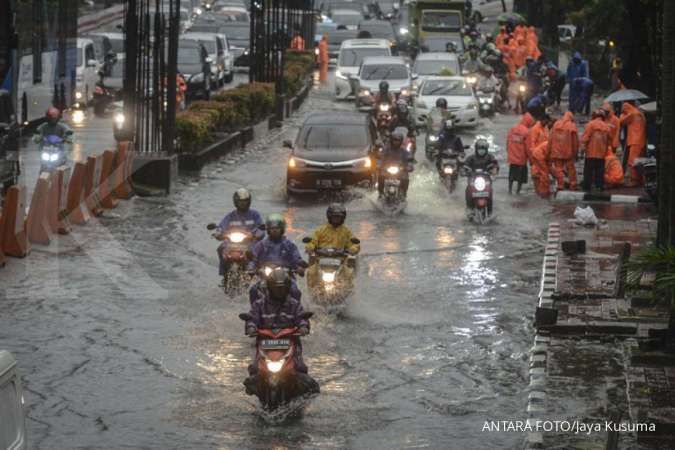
(125, 340)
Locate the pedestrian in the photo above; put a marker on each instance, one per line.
(577, 68)
(614, 125)
(516, 148)
(615, 74)
(563, 147)
(323, 58)
(533, 43)
(594, 143)
(556, 83)
(499, 40)
(584, 86)
(613, 171)
(297, 43)
(538, 133)
(636, 138)
(541, 174)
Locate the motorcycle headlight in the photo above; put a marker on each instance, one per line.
(393, 170)
(409, 147)
(384, 107)
(433, 138)
(45, 156)
(267, 271)
(471, 80)
(340, 75)
(447, 170)
(119, 119)
(78, 95)
(364, 93)
(316, 52)
(403, 30)
(522, 88)
(78, 116)
(328, 277)
(479, 183)
(236, 237)
(274, 366)
(405, 92)
(54, 157)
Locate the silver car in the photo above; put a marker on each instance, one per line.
(12, 421)
(392, 69)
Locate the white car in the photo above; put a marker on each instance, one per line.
(352, 52)
(12, 420)
(429, 64)
(462, 102)
(347, 17)
(217, 48)
(86, 71)
(375, 69)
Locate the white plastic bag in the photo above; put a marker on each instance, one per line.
(585, 216)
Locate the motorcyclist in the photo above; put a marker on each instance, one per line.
(533, 76)
(451, 47)
(242, 218)
(481, 159)
(449, 145)
(52, 127)
(402, 118)
(472, 63)
(275, 250)
(277, 308)
(438, 115)
(383, 95)
(488, 82)
(394, 154)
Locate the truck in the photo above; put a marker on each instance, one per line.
(435, 23)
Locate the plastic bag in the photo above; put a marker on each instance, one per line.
(585, 216)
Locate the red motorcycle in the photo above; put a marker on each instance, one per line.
(479, 196)
(278, 381)
(235, 255)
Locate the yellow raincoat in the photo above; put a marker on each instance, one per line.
(327, 236)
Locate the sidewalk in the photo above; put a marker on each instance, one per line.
(586, 364)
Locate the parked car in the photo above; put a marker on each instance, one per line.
(428, 64)
(86, 71)
(238, 38)
(462, 102)
(347, 17)
(194, 65)
(331, 152)
(12, 419)
(216, 47)
(381, 29)
(350, 57)
(9, 143)
(105, 54)
(393, 69)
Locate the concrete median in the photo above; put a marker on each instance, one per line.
(106, 196)
(37, 225)
(76, 207)
(91, 184)
(13, 236)
(122, 173)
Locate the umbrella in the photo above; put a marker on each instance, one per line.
(510, 17)
(649, 107)
(626, 95)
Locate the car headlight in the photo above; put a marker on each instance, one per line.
(328, 277)
(246, 52)
(364, 93)
(479, 183)
(45, 156)
(119, 119)
(274, 366)
(471, 105)
(294, 162)
(197, 78)
(365, 162)
(433, 138)
(393, 170)
(341, 76)
(447, 170)
(236, 237)
(78, 95)
(403, 30)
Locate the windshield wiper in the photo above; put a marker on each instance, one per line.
(387, 74)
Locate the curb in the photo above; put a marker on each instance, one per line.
(572, 196)
(536, 398)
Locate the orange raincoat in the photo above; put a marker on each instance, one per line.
(614, 125)
(297, 43)
(516, 142)
(538, 134)
(636, 136)
(613, 170)
(563, 148)
(540, 169)
(533, 44)
(323, 58)
(596, 138)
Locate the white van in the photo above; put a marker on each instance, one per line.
(86, 71)
(352, 52)
(12, 421)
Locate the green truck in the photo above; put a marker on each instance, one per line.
(434, 23)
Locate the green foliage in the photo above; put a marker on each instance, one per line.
(193, 129)
(657, 260)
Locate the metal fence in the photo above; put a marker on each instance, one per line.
(151, 30)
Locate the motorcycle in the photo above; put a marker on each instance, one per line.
(393, 198)
(383, 119)
(52, 152)
(235, 255)
(646, 167)
(331, 272)
(104, 101)
(278, 381)
(449, 169)
(521, 97)
(478, 196)
(487, 100)
(431, 140)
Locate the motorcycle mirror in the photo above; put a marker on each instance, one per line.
(306, 315)
(356, 241)
(211, 226)
(245, 316)
(306, 240)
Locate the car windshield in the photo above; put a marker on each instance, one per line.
(352, 57)
(379, 31)
(441, 44)
(347, 18)
(236, 32)
(440, 21)
(384, 72)
(436, 67)
(324, 28)
(188, 55)
(445, 87)
(333, 137)
(117, 45)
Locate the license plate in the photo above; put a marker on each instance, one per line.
(485, 107)
(272, 344)
(393, 182)
(328, 183)
(480, 194)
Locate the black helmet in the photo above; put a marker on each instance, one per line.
(402, 106)
(481, 147)
(441, 103)
(242, 199)
(278, 284)
(384, 86)
(273, 222)
(336, 214)
(397, 135)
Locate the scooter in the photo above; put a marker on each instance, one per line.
(278, 381)
(478, 196)
(330, 277)
(521, 96)
(235, 255)
(487, 101)
(52, 152)
(449, 171)
(383, 119)
(393, 198)
(104, 101)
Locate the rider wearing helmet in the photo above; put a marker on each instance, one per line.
(482, 159)
(278, 308)
(52, 127)
(383, 95)
(276, 250)
(449, 144)
(243, 219)
(438, 115)
(394, 154)
(402, 118)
